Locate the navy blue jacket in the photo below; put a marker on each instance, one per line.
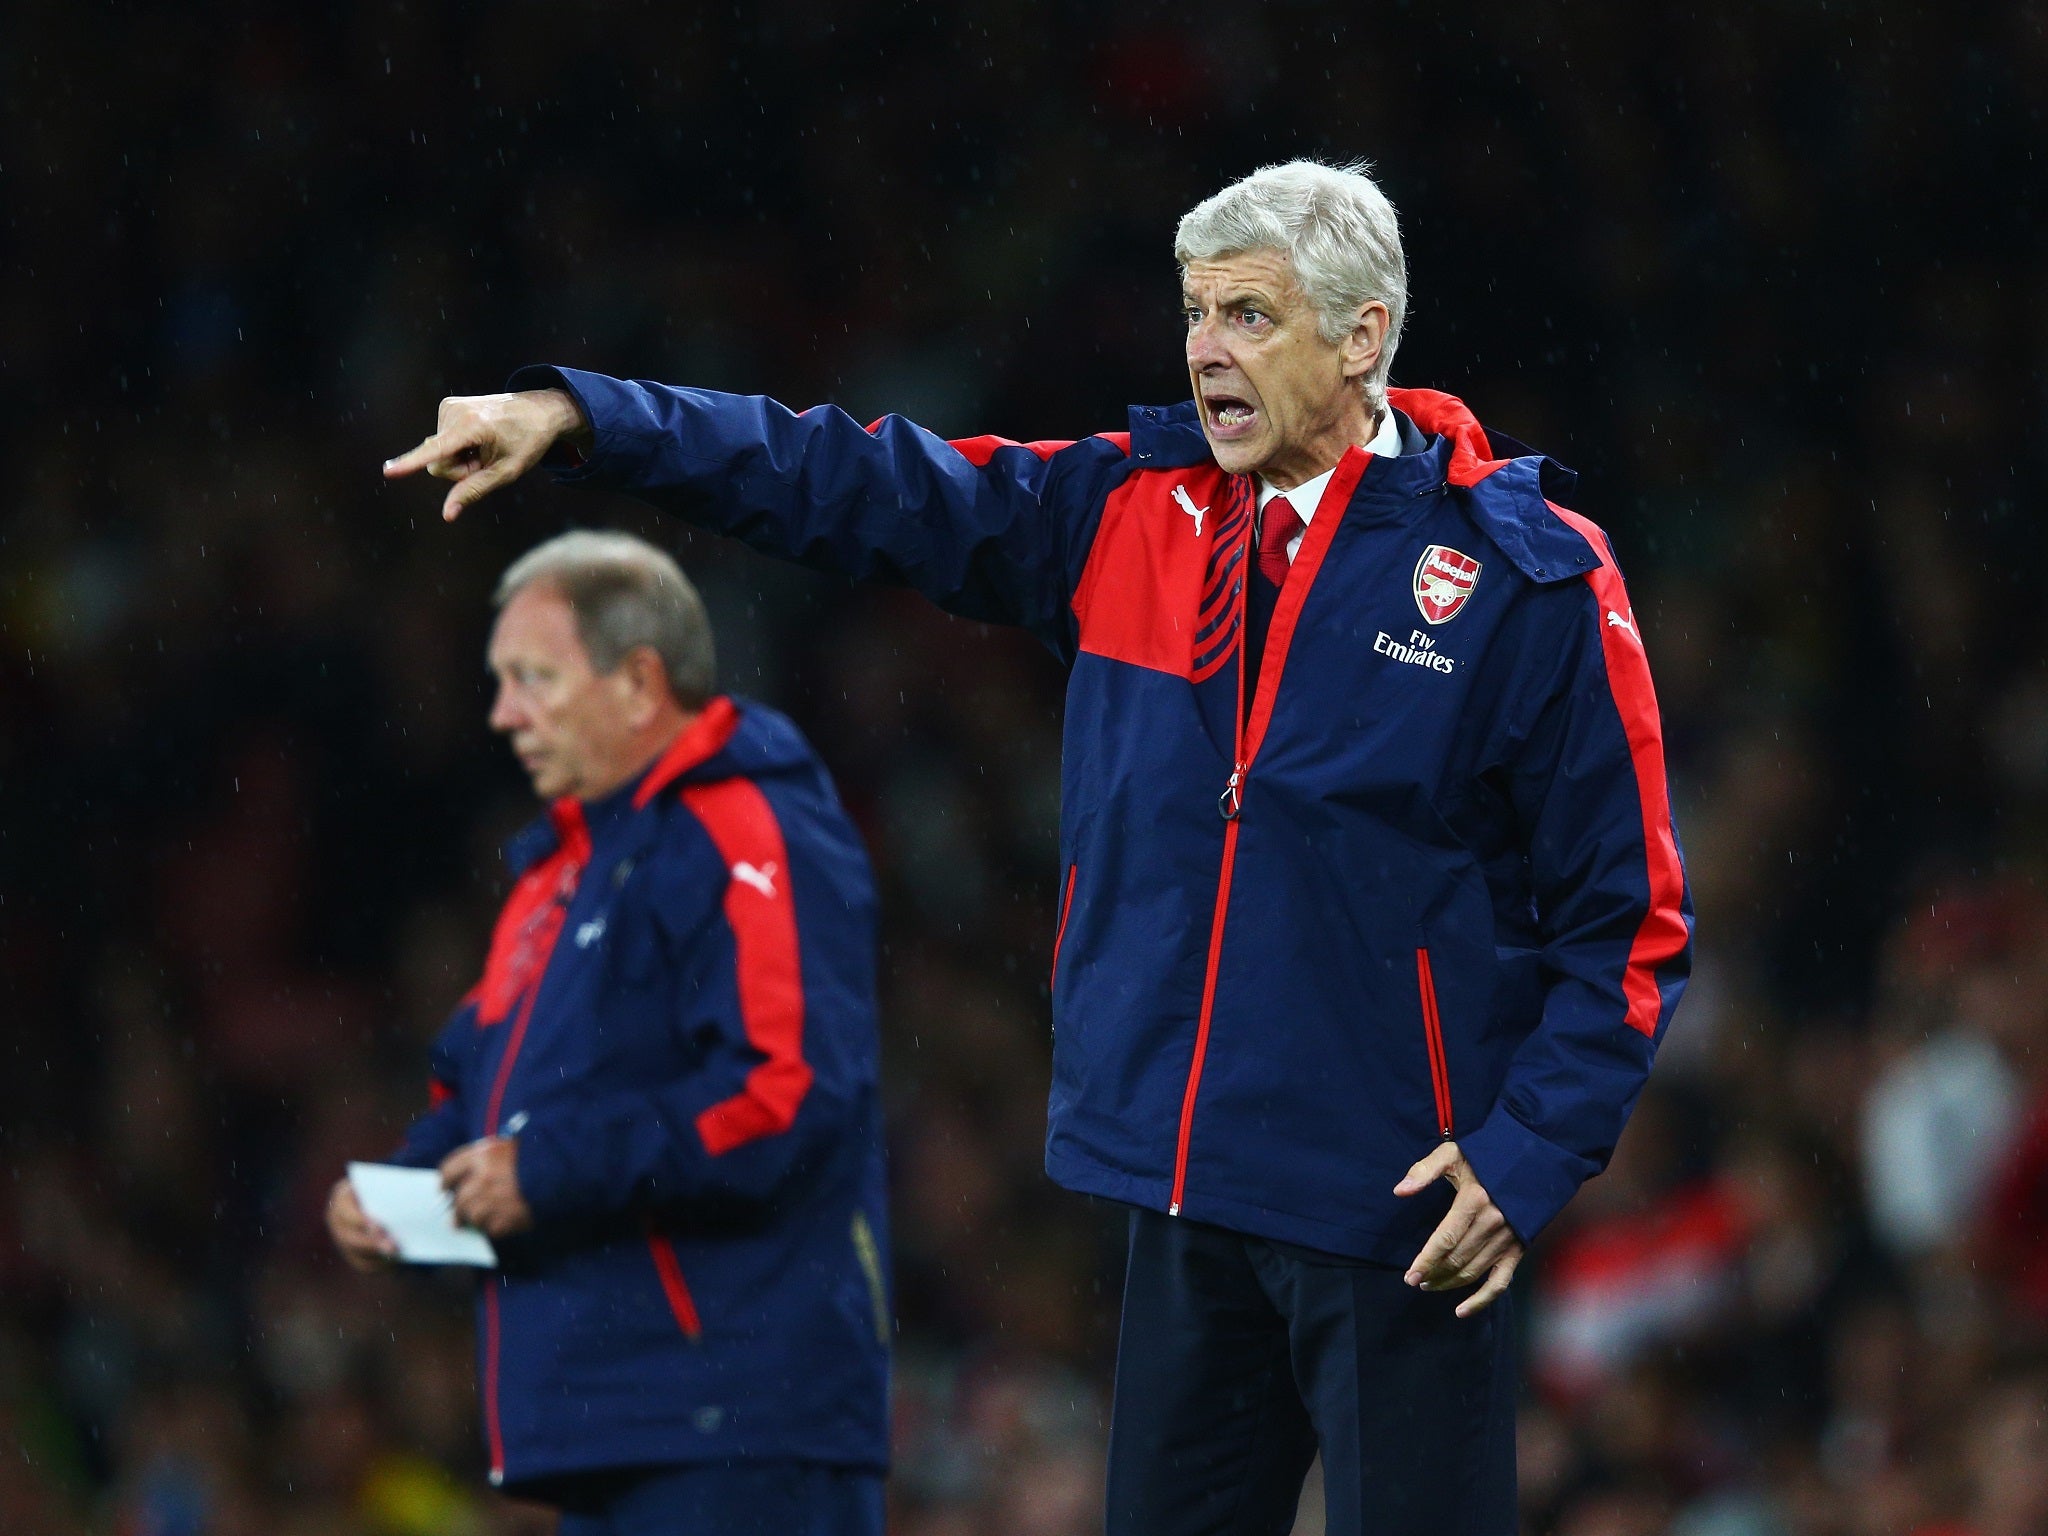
(677, 1022)
(1420, 883)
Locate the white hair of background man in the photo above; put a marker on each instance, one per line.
(625, 593)
(1334, 226)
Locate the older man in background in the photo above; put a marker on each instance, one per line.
(660, 1100)
(1371, 907)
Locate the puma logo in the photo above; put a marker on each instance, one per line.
(1616, 621)
(761, 878)
(1187, 505)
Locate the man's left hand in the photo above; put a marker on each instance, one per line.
(484, 1179)
(1472, 1241)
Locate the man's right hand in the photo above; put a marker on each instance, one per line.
(362, 1242)
(484, 441)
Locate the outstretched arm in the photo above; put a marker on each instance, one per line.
(986, 528)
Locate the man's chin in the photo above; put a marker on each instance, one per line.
(1237, 456)
(547, 784)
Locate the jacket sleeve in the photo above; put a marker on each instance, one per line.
(1612, 903)
(988, 529)
(763, 1100)
(445, 1125)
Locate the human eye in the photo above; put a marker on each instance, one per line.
(1252, 319)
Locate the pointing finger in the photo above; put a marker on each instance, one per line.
(442, 445)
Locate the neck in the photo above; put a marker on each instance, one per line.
(641, 751)
(1355, 426)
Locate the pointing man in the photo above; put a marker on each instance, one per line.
(1371, 909)
(660, 1099)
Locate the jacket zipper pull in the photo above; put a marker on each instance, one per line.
(1231, 801)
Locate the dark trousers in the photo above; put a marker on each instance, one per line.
(1241, 1358)
(743, 1499)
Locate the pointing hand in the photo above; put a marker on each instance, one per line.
(484, 441)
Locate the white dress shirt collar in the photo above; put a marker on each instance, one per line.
(1386, 442)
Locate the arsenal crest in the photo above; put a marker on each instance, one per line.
(1444, 578)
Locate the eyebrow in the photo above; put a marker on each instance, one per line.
(1249, 298)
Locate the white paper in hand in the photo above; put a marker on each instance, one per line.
(411, 1205)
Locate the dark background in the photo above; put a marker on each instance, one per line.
(1770, 277)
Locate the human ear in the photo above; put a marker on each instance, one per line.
(1362, 347)
(643, 682)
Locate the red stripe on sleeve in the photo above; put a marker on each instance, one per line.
(759, 907)
(1662, 933)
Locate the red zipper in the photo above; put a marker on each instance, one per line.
(1187, 1103)
(565, 890)
(518, 1038)
(1059, 937)
(492, 1434)
(1251, 733)
(680, 1301)
(491, 1281)
(1433, 1036)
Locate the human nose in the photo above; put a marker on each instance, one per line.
(507, 714)
(1205, 346)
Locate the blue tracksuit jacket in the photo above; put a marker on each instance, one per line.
(677, 1020)
(1420, 882)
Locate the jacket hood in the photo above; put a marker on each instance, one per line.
(730, 738)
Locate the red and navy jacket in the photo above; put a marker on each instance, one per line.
(1419, 882)
(677, 1022)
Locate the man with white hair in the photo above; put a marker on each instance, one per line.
(660, 1099)
(1371, 909)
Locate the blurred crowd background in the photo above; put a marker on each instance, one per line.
(1770, 276)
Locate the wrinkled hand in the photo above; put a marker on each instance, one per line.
(483, 1177)
(365, 1245)
(1473, 1239)
(484, 441)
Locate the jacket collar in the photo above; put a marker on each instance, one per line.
(1170, 436)
(574, 825)
(1455, 453)
(700, 741)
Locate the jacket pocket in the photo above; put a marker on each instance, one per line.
(675, 1287)
(1060, 934)
(1433, 1039)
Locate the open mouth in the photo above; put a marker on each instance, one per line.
(1229, 415)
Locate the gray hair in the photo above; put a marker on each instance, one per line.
(625, 593)
(1334, 226)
